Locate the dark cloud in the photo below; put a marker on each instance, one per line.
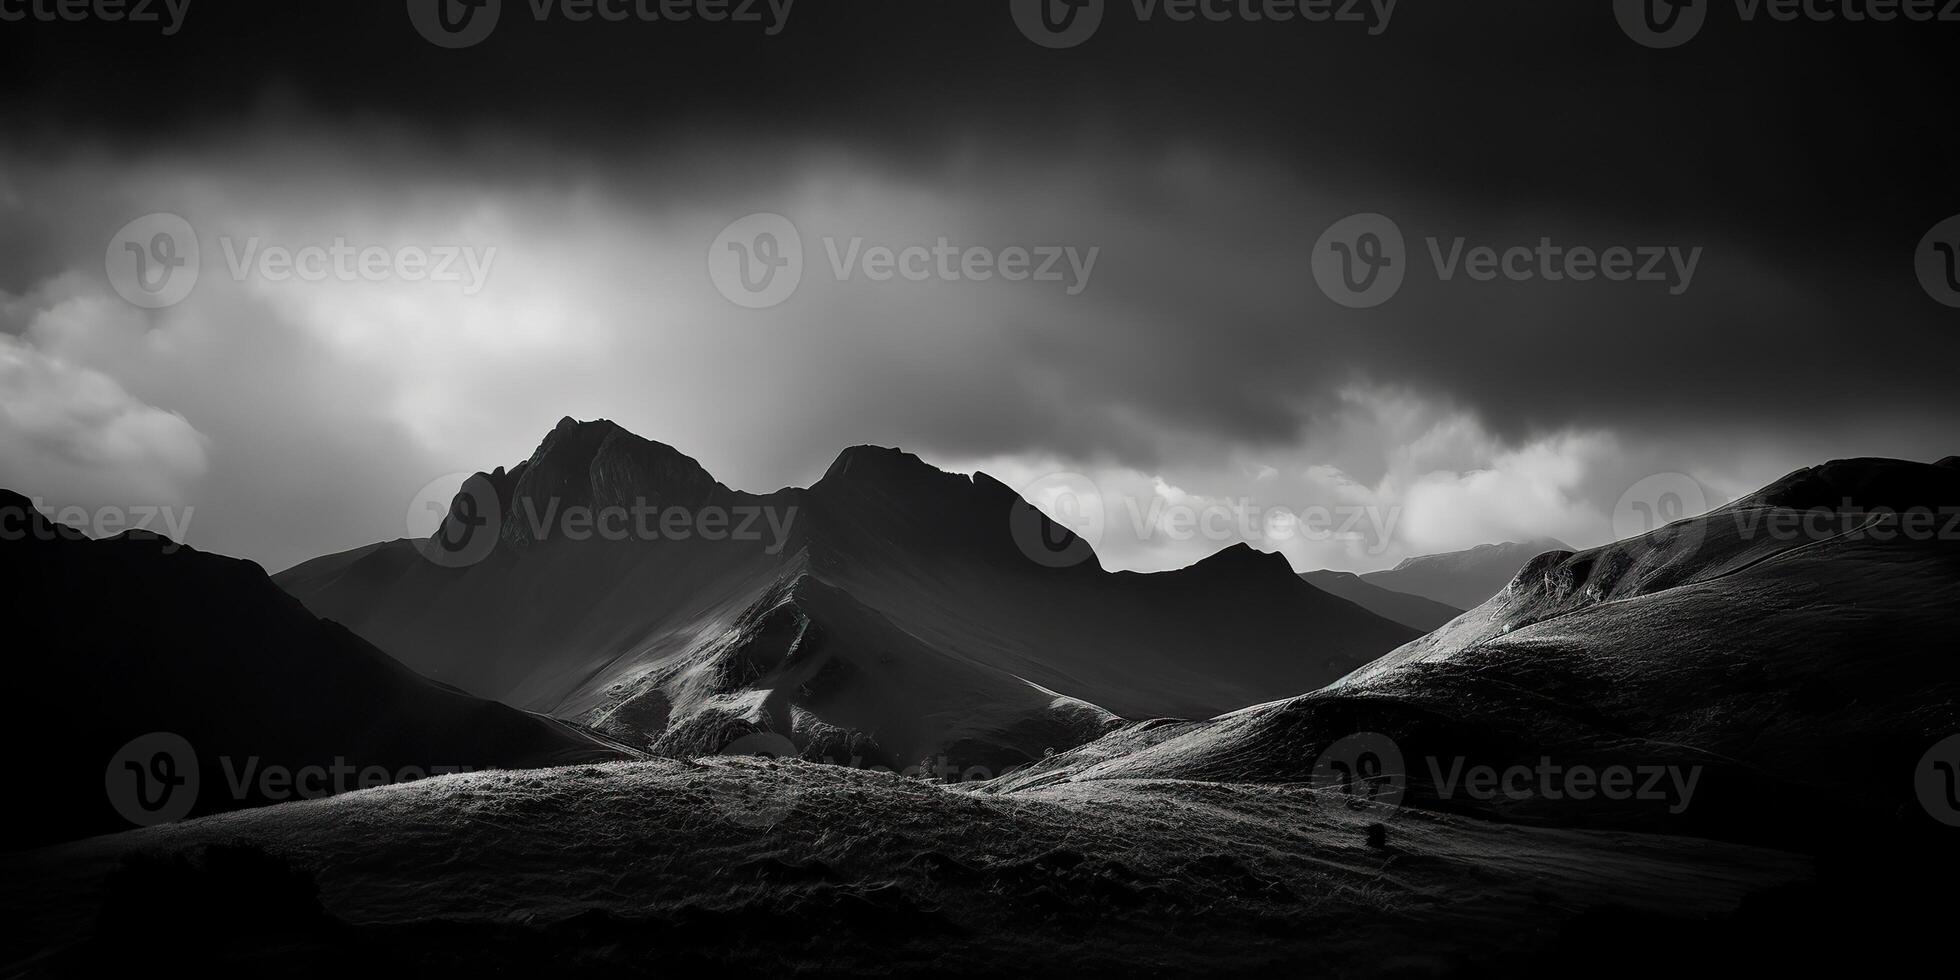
(1202, 159)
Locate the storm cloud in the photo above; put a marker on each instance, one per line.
(1198, 361)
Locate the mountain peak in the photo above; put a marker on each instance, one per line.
(595, 465)
(885, 467)
(1243, 555)
(601, 464)
(572, 432)
(1485, 553)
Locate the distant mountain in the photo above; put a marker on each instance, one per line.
(888, 614)
(110, 641)
(1792, 652)
(1413, 611)
(1462, 579)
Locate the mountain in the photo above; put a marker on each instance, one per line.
(1790, 652)
(1413, 611)
(888, 614)
(1462, 579)
(115, 640)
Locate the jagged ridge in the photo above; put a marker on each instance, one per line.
(901, 565)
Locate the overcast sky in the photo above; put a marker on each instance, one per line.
(1197, 363)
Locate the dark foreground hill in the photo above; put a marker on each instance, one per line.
(889, 614)
(749, 868)
(112, 641)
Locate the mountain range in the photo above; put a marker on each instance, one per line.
(888, 614)
(1458, 579)
(1716, 732)
(1413, 611)
(1790, 650)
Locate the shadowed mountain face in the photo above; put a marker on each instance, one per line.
(1413, 611)
(1462, 579)
(1790, 653)
(118, 639)
(890, 613)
